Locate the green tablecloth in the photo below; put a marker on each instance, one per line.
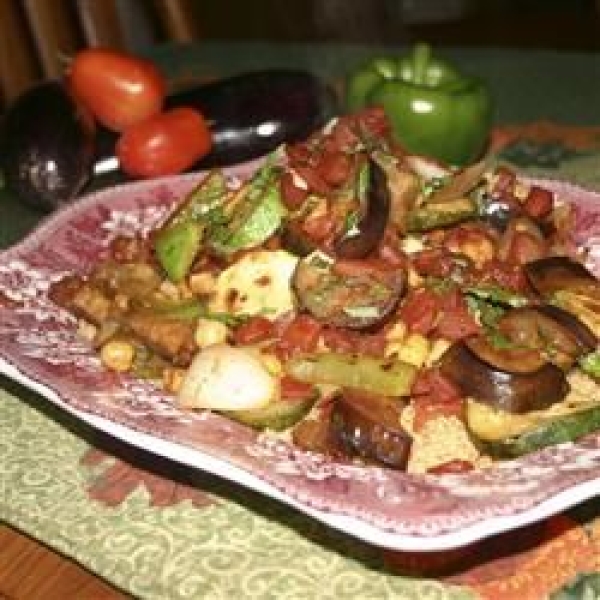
(173, 533)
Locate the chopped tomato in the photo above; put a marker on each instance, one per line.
(313, 179)
(335, 168)
(292, 194)
(373, 120)
(539, 202)
(338, 340)
(254, 330)
(419, 311)
(506, 275)
(455, 322)
(319, 228)
(300, 335)
(292, 389)
(452, 466)
(432, 384)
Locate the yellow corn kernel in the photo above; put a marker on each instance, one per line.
(414, 350)
(209, 332)
(117, 355)
(394, 339)
(521, 190)
(396, 332)
(172, 378)
(437, 349)
(414, 279)
(272, 364)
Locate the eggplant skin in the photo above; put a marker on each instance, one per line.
(46, 146)
(249, 114)
(510, 391)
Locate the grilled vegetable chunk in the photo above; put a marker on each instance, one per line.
(348, 293)
(503, 436)
(369, 426)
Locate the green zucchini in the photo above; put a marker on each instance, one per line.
(440, 214)
(276, 416)
(554, 429)
(384, 376)
(256, 214)
(178, 241)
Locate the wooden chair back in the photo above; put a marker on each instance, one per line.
(37, 37)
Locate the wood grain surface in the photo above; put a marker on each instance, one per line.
(31, 571)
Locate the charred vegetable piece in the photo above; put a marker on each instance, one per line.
(516, 381)
(389, 377)
(173, 339)
(255, 216)
(178, 241)
(547, 330)
(277, 415)
(46, 146)
(567, 283)
(369, 426)
(557, 430)
(207, 196)
(367, 231)
(295, 240)
(441, 214)
(459, 184)
(176, 248)
(359, 299)
(585, 338)
(555, 273)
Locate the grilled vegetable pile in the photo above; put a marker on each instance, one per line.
(363, 302)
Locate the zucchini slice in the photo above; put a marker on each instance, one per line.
(276, 416)
(442, 214)
(527, 433)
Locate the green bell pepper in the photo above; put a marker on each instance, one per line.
(434, 109)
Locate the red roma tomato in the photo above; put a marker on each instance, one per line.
(164, 144)
(119, 89)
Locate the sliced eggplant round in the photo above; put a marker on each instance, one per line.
(555, 273)
(585, 338)
(516, 383)
(555, 333)
(364, 236)
(358, 298)
(369, 426)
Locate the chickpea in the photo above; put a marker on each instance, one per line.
(172, 379)
(210, 332)
(117, 355)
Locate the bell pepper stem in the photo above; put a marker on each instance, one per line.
(421, 56)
